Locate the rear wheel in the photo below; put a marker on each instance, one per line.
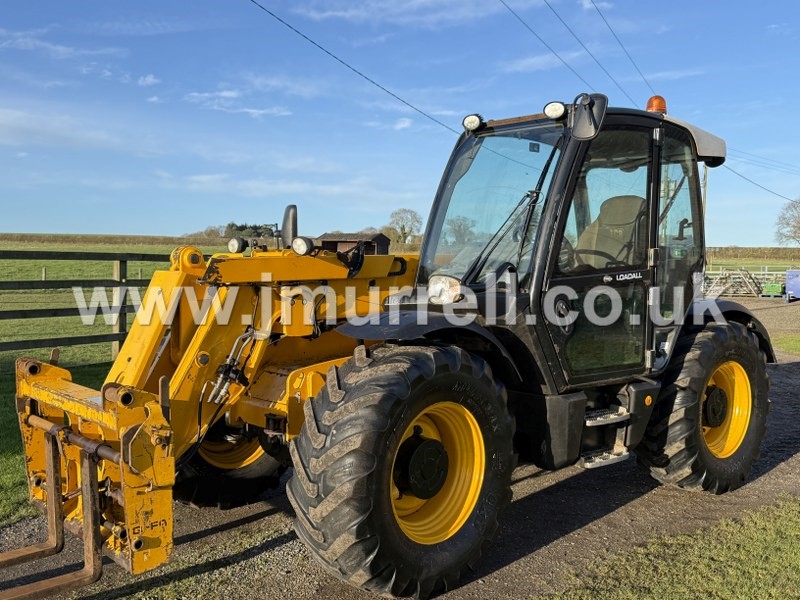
(228, 470)
(402, 467)
(710, 418)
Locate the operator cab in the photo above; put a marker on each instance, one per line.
(580, 198)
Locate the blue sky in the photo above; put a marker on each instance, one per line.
(166, 117)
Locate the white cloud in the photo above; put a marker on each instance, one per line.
(144, 27)
(371, 41)
(419, 13)
(355, 190)
(539, 62)
(105, 71)
(587, 4)
(207, 183)
(304, 88)
(257, 113)
(154, 100)
(19, 128)
(228, 100)
(782, 29)
(148, 80)
(445, 112)
(22, 154)
(262, 157)
(32, 41)
(307, 164)
(206, 97)
(401, 124)
(674, 75)
(25, 77)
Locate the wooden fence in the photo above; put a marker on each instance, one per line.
(119, 283)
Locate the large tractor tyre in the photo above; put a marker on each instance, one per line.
(227, 474)
(710, 418)
(402, 468)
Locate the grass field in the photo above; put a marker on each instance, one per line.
(753, 264)
(787, 342)
(13, 490)
(755, 557)
(89, 364)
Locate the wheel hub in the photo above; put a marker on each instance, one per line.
(715, 409)
(421, 466)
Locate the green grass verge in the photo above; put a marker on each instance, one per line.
(755, 557)
(787, 342)
(13, 487)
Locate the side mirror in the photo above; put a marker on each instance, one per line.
(289, 228)
(586, 116)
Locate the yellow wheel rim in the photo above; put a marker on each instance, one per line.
(435, 520)
(230, 455)
(726, 438)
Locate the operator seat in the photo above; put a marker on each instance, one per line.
(618, 231)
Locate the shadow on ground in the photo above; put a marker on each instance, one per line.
(542, 515)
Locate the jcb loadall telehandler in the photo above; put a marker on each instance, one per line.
(553, 318)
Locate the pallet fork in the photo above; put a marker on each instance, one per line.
(90, 530)
(100, 464)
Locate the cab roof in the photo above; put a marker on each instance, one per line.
(710, 149)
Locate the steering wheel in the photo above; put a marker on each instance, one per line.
(592, 251)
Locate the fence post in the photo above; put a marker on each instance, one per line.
(118, 297)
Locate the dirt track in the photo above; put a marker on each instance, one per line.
(559, 523)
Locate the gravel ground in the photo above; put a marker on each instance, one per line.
(558, 524)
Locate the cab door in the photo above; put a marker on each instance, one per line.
(595, 295)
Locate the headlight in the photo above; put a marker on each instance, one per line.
(302, 246)
(237, 245)
(443, 289)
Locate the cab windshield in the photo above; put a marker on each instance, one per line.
(490, 202)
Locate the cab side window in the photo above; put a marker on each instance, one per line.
(607, 223)
(679, 224)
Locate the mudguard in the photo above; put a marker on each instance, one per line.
(412, 325)
(708, 309)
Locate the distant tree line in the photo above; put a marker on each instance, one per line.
(404, 227)
(231, 230)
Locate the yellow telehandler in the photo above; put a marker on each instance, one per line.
(207, 391)
(550, 315)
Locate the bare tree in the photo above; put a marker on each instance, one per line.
(460, 229)
(406, 222)
(787, 229)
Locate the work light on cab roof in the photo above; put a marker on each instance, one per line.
(472, 122)
(555, 110)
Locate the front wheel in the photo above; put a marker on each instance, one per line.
(402, 467)
(228, 470)
(710, 418)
